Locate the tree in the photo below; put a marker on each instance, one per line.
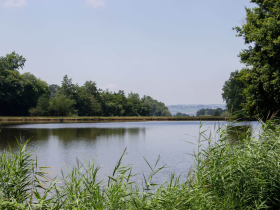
(233, 92)
(42, 108)
(62, 105)
(68, 88)
(200, 112)
(53, 90)
(10, 84)
(11, 62)
(86, 103)
(210, 112)
(156, 108)
(216, 113)
(179, 114)
(114, 104)
(261, 33)
(32, 89)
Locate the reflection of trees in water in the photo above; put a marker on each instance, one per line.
(8, 135)
(90, 134)
(239, 132)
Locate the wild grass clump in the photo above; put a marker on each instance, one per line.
(239, 173)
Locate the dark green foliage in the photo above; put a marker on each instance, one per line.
(156, 108)
(179, 114)
(11, 62)
(261, 33)
(233, 92)
(18, 93)
(33, 89)
(53, 90)
(42, 108)
(87, 100)
(23, 94)
(68, 88)
(216, 113)
(114, 104)
(210, 112)
(137, 106)
(87, 104)
(62, 105)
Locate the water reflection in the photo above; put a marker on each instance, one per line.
(58, 145)
(67, 135)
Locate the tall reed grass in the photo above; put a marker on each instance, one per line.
(243, 175)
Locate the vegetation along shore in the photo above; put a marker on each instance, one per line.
(95, 119)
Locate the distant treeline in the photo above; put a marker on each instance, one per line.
(24, 94)
(180, 114)
(212, 112)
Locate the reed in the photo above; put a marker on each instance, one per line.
(245, 175)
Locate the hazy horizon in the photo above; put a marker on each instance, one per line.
(178, 52)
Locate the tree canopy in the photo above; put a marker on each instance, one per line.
(18, 92)
(24, 94)
(233, 92)
(261, 77)
(212, 112)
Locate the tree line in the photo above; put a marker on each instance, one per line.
(212, 112)
(24, 94)
(254, 91)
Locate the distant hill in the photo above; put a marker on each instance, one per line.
(191, 109)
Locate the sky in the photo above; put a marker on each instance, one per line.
(176, 51)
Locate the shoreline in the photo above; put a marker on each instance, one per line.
(98, 119)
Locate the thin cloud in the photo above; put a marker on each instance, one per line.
(96, 3)
(14, 3)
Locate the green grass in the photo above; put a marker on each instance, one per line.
(227, 174)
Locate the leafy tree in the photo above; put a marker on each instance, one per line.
(156, 108)
(68, 88)
(87, 104)
(113, 104)
(233, 92)
(10, 84)
(62, 105)
(134, 104)
(200, 112)
(216, 113)
(179, 114)
(10, 93)
(11, 62)
(42, 108)
(210, 112)
(91, 88)
(261, 33)
(18, 92)
(32, 89)
(21, 94)
(53, 90)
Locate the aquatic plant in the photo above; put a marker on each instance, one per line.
(244, 175)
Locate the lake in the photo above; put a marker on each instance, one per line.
(58, 145)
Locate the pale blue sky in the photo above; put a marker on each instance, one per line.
(177, 51)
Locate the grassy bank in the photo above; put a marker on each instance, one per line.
(239, 174)
(96, 119)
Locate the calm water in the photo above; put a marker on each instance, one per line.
(58, 145)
